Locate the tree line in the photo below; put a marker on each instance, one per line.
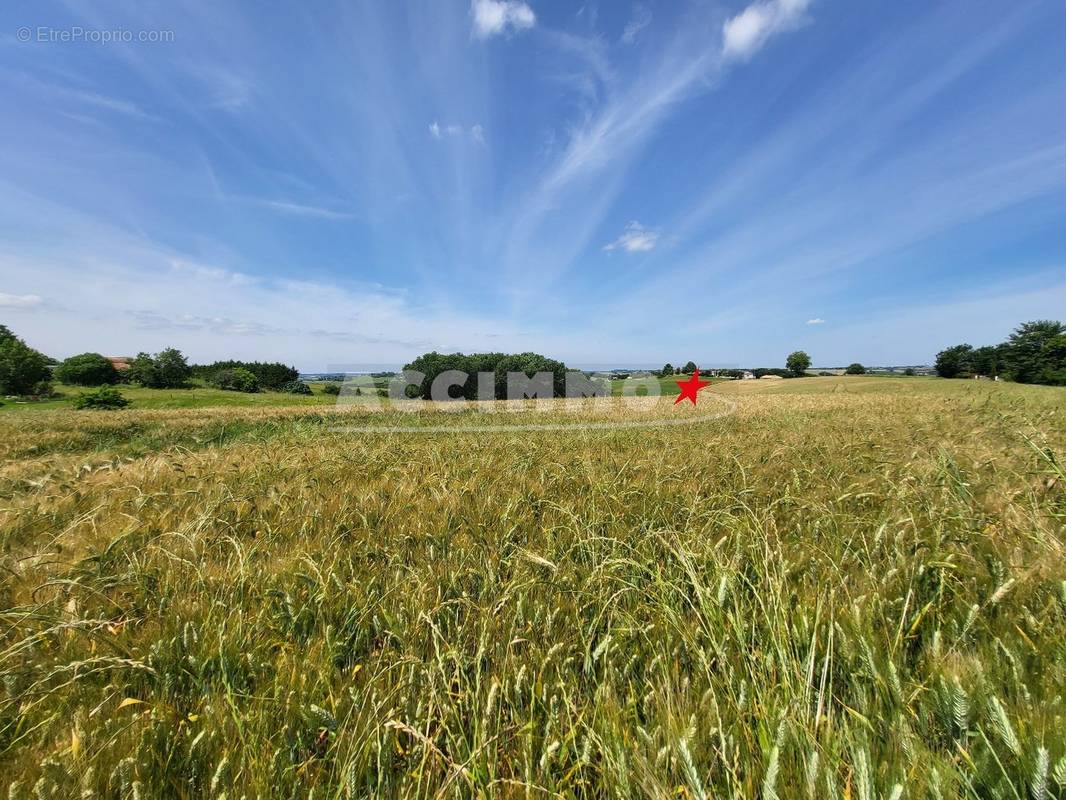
(1034, 353)
(432, 364)
(796, 366)
(25, 371)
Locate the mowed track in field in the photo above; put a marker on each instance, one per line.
(848, 587)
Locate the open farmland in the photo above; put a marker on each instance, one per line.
(850, 587)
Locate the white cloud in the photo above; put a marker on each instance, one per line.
(208, 273)
(493, 17)
(635, 239)
(300, 210)
(224, 326)
(438, 131)
(744, 34)
(19, 300)
(640, 20)
(816, 321)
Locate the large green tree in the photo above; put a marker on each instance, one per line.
(1029, 352)
(167, 369)
(1054, 357)
(798, 363)
(986, 360)
(23, 370)
(953, 361)
(87, 369)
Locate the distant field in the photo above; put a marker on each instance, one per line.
(198, 396)
(851, 587)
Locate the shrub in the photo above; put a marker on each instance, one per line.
(909, 371)
(106, 398)
(87, 369)
(235, 380)
(855, 369)
(295, 387)
(332, 388)
(21, 367)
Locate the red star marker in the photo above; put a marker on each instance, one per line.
(690, 387)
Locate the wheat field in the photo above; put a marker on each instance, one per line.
(850, 587)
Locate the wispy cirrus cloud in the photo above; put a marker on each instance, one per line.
(301, 210)
(640, 20)
(495, 17)
(635, 239)
(816, 321)
(744, 34)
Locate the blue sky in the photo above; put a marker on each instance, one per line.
(613, 183)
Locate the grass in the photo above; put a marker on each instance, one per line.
(850, 588)
(667, 386)
(197, 396)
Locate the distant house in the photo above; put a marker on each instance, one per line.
(121, 363)
(747, 376)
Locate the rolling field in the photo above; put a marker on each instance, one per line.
(850, 587)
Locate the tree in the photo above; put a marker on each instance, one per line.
(855, 369)
(173, 368)
(909, 371)
(798, 363)
(87, 369)
(954, 361)
(235, 380)
(167, 369)
(668, 369)
(689, 368)
(1027, 351)
(22, 369)
(1054, 357)
(986, 360)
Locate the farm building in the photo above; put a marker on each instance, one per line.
(120, 363)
